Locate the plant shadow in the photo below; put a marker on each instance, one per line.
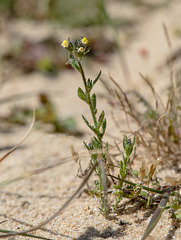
(92, 233)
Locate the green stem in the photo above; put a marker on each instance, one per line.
(88, 94)
(83, 75)
(134, 184)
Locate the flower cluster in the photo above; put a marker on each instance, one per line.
(77, 49)
(66, 43)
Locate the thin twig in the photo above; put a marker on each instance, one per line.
(21, 141)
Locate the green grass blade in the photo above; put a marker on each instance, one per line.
(157, 214)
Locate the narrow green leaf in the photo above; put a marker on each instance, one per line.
(98, 76)
(81, 95)
(94, 102)
(121, 167)
(106, 146)
(85, 144)
(104, 124)
(88, 124)
(134, 139)
(86, 121)
(101, 118)
(97, 144)
(89, 85)
(124, 142)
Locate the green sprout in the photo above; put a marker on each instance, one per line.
(128, 148)
(76, 51)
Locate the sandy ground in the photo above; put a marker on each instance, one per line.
(30, 201)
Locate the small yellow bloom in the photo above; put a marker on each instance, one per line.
(85, 41)
(65, 44)
(80, 49)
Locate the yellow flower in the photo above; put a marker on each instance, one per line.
(65, 44)
(85, 41)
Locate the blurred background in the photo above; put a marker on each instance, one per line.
(39, 51)
(30, 37)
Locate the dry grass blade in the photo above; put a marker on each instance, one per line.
(127, 107)
(22, 140)
(28, 94)
(34, 172)
(123, 106)
(26, 235)
(107, 87)
(59, 211)
(142, 171)
(157, 214)
(124, 94)
(167, 35)
(152, 169)
(146, 146)
(157, 97)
